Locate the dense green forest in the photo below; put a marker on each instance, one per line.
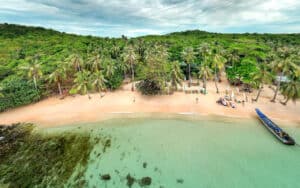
(37, 62)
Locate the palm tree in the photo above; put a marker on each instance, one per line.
(218, 63)
(130, 58)
(176, 75)
(76, 61)
(98, 81)
(34, 72)
(261, 77)
(281, 66)
(188, 56)
(124, 67)
(82, 82)
(291, 90)
(110, 68)
(95, 62)
(233, 57)
(204, 73)
(58, 76)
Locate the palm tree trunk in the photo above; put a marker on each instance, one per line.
(99, 90)
(78, 68)
(59, 88)
(34, 81)
(132, 77)
(204, 84)
(189, 75)
(277, 87)
(216, 79)
(258, 94)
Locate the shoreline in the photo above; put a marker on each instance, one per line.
(53, 111)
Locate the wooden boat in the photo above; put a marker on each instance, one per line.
(274, 129)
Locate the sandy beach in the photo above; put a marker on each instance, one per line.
(77, 109)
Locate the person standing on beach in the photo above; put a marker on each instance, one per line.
(197, 99)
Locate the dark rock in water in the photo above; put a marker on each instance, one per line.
(105, 177)
(180, 181)
(145, 181)
(130, 180)
(107, 144)
(144, 165)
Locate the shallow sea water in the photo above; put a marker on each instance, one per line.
(191, 153)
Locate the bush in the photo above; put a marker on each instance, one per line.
(17, 92)
(149, 87)
(114, 81)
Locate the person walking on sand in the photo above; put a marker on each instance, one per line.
(197, 100)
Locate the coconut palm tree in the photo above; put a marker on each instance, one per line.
(291, 90)
(95, 62)
(98, 81)
(281, 66)
(261, 77)
(188, 56)
(233, 57)
(218, 63)
(58, 76)
(130, 57)
(205, 73)
(124, 67)
(110, 68)
(76, 61)
(176, 75)
(33, 71)
(82, 82)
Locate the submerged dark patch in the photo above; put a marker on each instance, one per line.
(30, 159)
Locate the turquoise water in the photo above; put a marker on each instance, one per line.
(188, 153)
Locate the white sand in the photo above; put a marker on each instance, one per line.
(55, 112)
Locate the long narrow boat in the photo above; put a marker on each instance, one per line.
(274, 129)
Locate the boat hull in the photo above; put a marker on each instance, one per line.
(275, 129)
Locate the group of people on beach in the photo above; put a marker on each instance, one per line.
(226, 102)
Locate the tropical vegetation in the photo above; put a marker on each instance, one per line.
(37, 62)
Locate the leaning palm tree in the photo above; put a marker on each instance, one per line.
(130, 57)
(98, 81)
(33, 71)
(281, 66)
(58, 76)
(291, 90)
(188, 56)
(261, 77)
(204, 73)
(218, 63)
(82, 82)
(176, 75)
